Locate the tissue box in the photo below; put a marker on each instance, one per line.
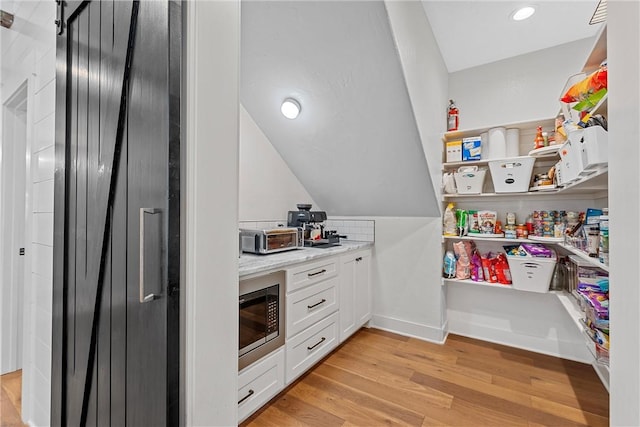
(471, 148)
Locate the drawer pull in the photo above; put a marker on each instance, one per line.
(316, 273)
(317, 304)
(316, 344)
(359, 259)
(246, 397)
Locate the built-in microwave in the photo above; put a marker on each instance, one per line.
(261, 317)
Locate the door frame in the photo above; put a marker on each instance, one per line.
(15, 321)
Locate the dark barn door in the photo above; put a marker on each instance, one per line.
(116, 218)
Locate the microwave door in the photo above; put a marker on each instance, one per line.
(253, 321)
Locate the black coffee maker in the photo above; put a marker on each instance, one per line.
(311, 224)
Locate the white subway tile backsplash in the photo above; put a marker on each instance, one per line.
(354, 229)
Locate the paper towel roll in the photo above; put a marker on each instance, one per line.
(485, 152)
(498, 143)
(513, 143)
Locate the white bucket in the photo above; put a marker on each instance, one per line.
(513, 143)
(498, 143)
(485, 153)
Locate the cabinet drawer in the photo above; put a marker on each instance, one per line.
(307, 348)
(306, 306)
(310, 273)
(259, 382)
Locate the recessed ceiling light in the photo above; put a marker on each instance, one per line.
(523, 13)
(290, 108)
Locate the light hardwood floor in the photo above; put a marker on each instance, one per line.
(381, 379)
(10, 399)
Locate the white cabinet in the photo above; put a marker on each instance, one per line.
(318, 294)
(311, 345)
(306, 306)
(258, 383)
(355, 292)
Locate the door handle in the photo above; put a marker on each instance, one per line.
(317, 304)
(316, 344)
(249, 394)
(149, 297)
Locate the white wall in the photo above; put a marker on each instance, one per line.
(268, 188)
(523, 88)
(211, 214)
(28, 53)
(407, 293)
(407, 296)
(624, 199)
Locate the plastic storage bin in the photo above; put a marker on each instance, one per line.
(531, 274)
(470, 180)
(594, 147)
(512, 175)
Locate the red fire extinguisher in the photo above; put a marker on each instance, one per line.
(452, 116)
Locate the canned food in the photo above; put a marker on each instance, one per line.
(521, 231)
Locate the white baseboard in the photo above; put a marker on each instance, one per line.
(576, 351)
(409, 329)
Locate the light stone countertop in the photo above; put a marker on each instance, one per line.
(250, 264)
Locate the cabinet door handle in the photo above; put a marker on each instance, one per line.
(359, 259)
(246, 397)
(317, 304)
(316, 344)
(316, 273)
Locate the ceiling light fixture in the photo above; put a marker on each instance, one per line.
(523, 13)
(290, 108)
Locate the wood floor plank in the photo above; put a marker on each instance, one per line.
(378, 378)
(309, 414)
(11, 399)
(365, 399)
(503, 404)
(351, 412)
(589, 401)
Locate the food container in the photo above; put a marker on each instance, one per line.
(512, 175)
(531, 274)
(454, 151)
(594, 148)
(469, 179)
(471, 148)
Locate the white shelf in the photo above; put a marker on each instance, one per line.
(571, 306)
(487, 239)
(549, 151)
(546, 123)
(593, 261)
(597, 181)
(485, 162)
(471, 282)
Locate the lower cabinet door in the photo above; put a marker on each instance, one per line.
(311, 345)
(259, 382)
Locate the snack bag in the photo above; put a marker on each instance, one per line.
(463, 265)
(503, 273)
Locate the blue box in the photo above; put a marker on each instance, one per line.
(471, 148)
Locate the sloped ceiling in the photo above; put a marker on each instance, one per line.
(355, 146)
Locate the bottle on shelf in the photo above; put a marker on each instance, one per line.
(538, 142)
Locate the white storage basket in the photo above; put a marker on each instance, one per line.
(469, 179)
(531, 274)
(512, 175)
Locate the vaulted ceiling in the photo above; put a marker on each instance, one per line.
(355, 146)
